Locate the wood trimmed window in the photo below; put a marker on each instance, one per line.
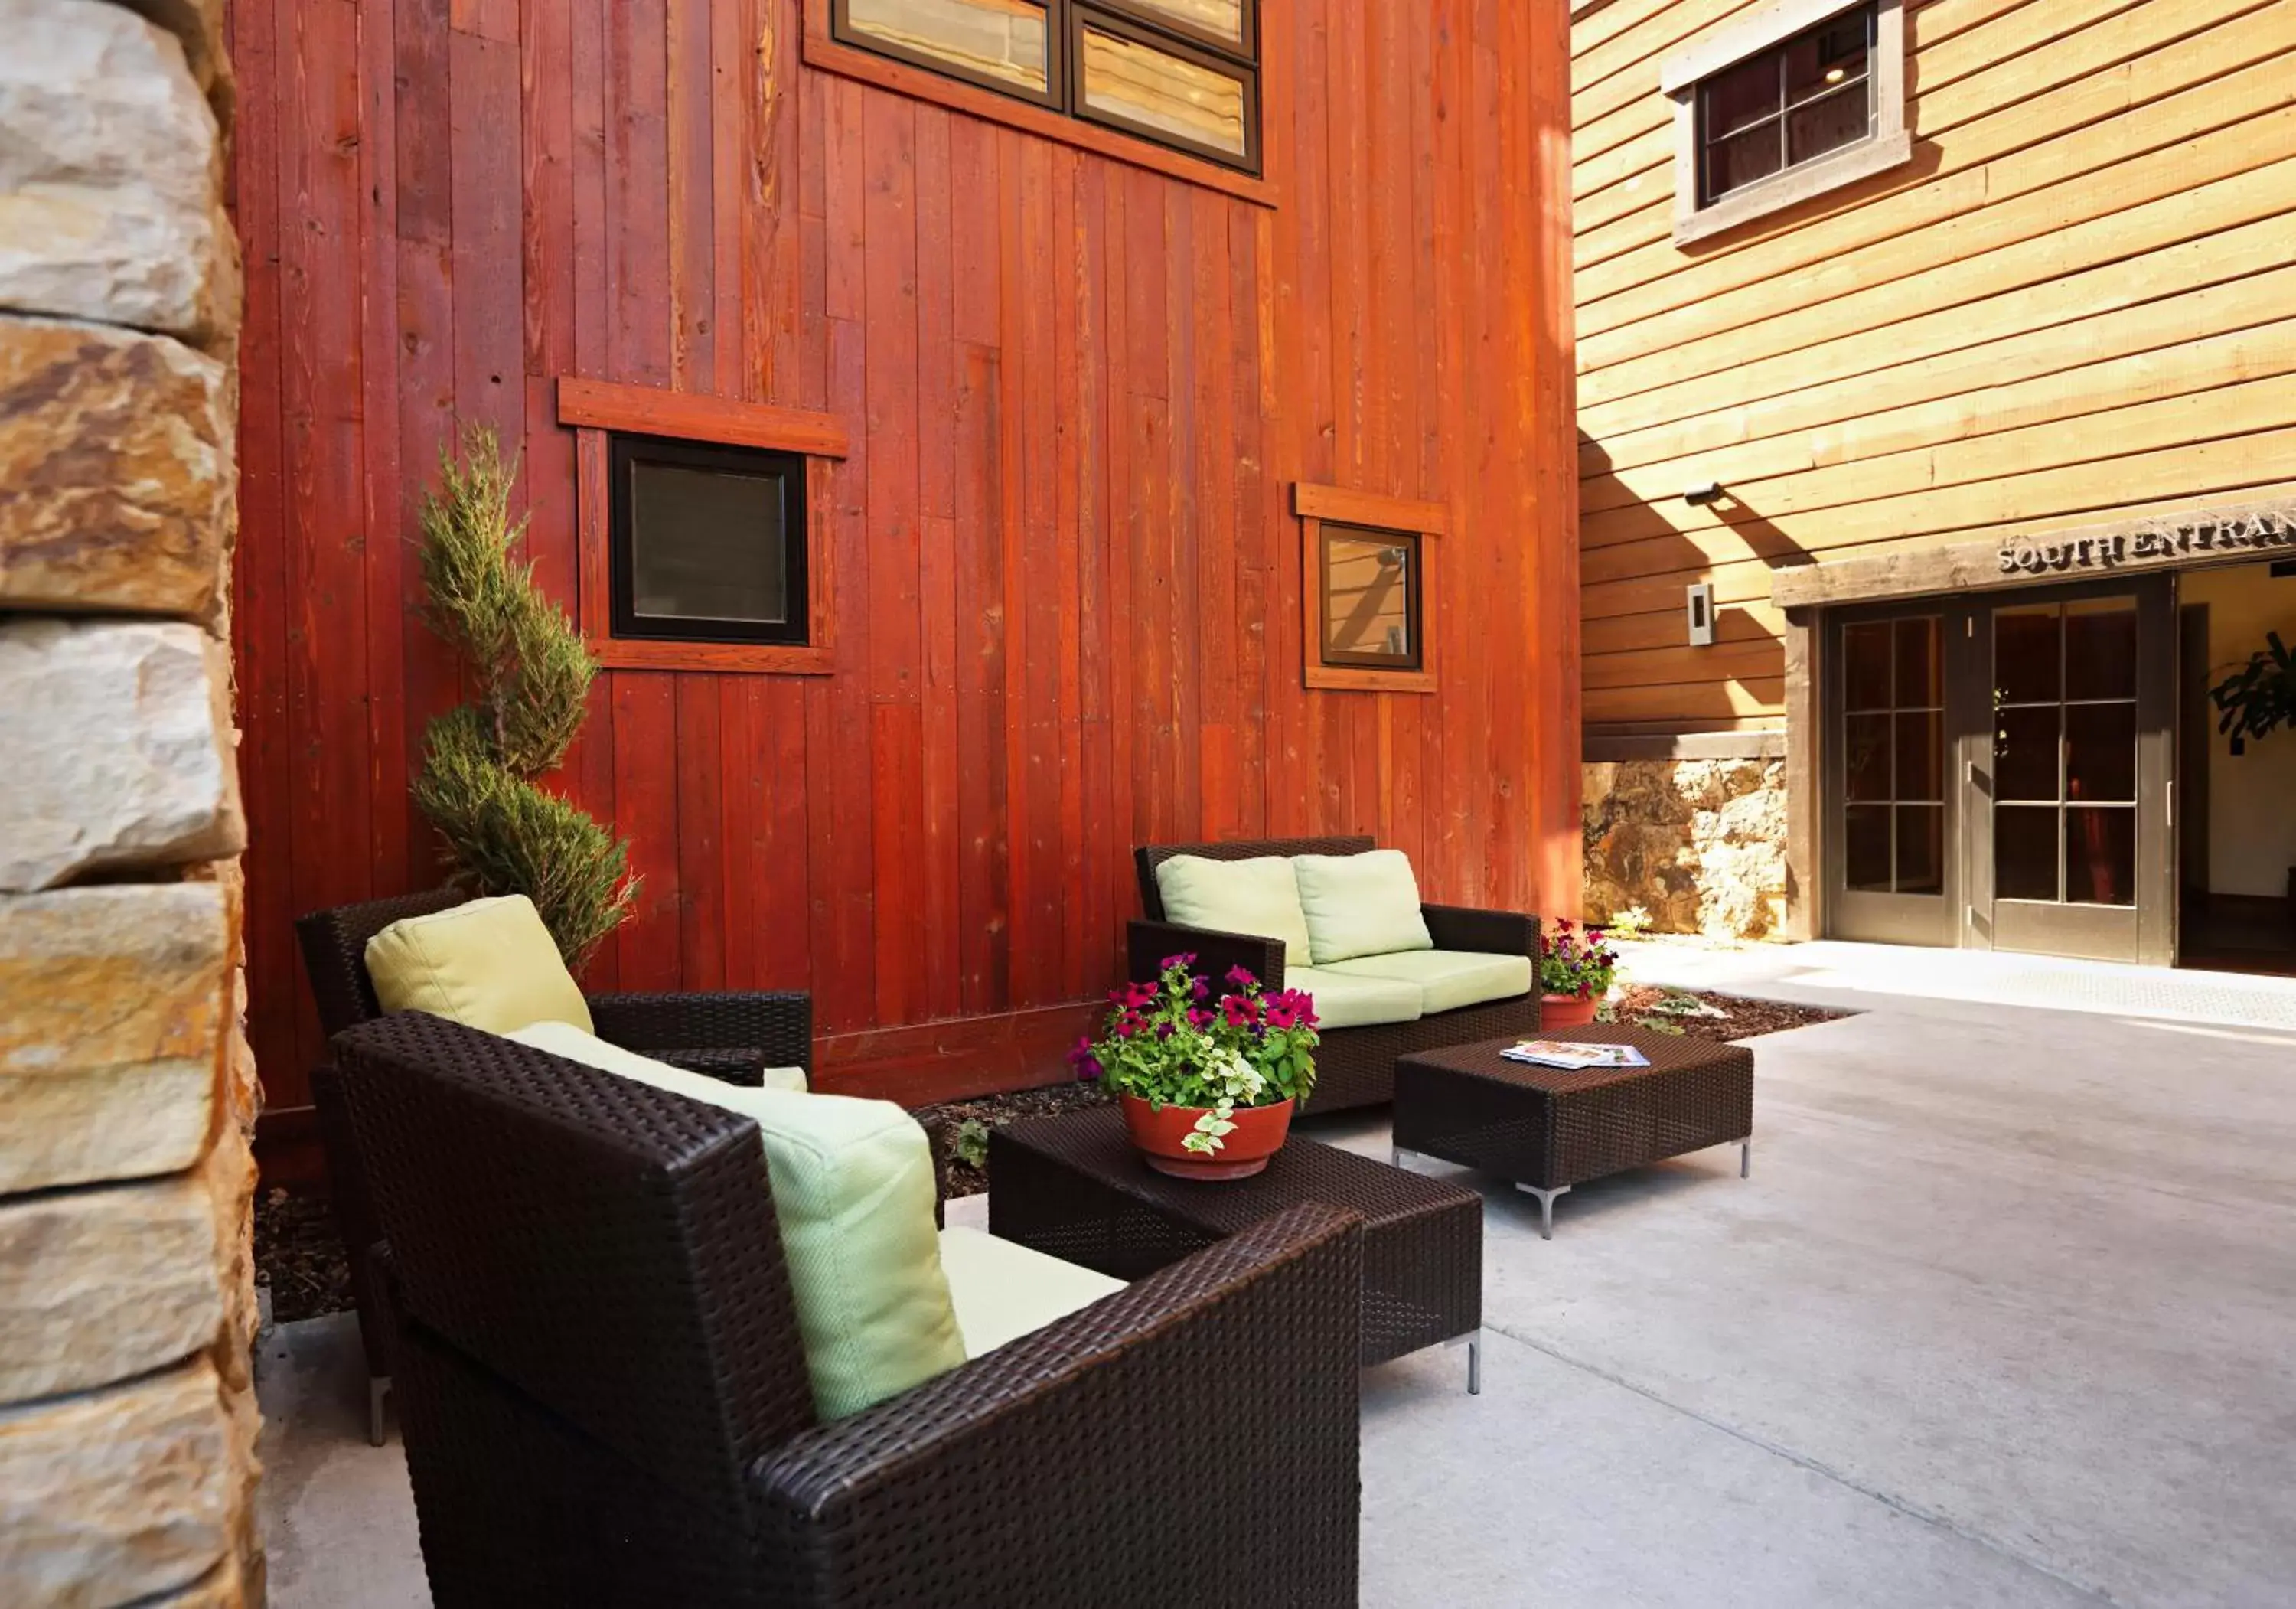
(1802, 98)
(1184, 74)
(660, 475)
(1367, 565)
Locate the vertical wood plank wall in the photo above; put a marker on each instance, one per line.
(2076, 303)
(1078, 393)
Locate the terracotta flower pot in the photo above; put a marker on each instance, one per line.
(1566, 1011)
(1259, 1133)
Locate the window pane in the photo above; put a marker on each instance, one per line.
(1865, 666)
(1921, 849)
(2025, 852)
(1920, 756)
(2101, 752)
(1867, 756)
(1741, 95)
(706, 545)
(1743, 158)
(2025, 753)
(1843, 118)
(1002, 40)
(2101, 648)
(2100, 856)
(1919, 686)
(1830, 53)
(1152, 89)
(1221, 19)
(2025, 655)
(1868, 846)
(1367, 605)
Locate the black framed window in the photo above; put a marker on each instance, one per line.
(1798, 101)
(1183, 73)
(707, 543)
(1370, 584)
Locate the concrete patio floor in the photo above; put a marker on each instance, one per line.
(2005, 1315)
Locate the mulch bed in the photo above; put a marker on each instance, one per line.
(299, 1255)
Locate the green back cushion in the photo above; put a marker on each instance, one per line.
(489, 963)
(1256, 897)
(1360, 905)
(853, 1192)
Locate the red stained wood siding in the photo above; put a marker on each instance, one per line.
(1078, 393)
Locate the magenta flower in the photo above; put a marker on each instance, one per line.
(1082, 1062)
(1169, 961)
(1131, 1022)
(1139, 996)
(1239, 1010)
(1200, 989)
(1241, 976)
(1199, 1017)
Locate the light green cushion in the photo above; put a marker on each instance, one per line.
(853, 1190)
(1003, 1289)
(1360, 905)
(487, 964)
(1447, 979)
(1255, 896)
(595, 1052)
(1342, 1001)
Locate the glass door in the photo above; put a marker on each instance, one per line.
(1889, 871)
(2070, 802)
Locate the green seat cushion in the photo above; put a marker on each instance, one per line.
(592, 1051)
(1342, 1001)
(1003, 1289)
(1360, 905)
(486, 964)
(1446, 979)
(853, 1192)
(1255, 896)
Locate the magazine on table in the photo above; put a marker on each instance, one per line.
(1572, 1056)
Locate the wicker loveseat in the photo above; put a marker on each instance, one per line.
(729, 1036)
(605, 1399)
(1356, 1065)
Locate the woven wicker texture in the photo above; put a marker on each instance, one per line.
(1355, 1066)
(730, 1037)
(1546, 1127)
(1074, 1188)
(604, 1401)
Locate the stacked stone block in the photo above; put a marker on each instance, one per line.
(128, 1096)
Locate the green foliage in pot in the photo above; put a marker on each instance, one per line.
(506, 834)
(1171, 1043)
(2258, 698)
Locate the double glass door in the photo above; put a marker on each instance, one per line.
(2000, 773)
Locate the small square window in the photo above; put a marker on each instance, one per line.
(707, 543)
(1370, 587)
(1802, 99)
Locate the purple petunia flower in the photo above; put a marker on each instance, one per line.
(1082, 1062)
(1199, 1017)
(1169, 961)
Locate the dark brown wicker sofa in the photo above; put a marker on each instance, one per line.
(1356, 1066)
(729, 1036)
(605, 1399)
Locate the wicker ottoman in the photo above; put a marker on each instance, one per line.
(1074, 1188)
(1547, 1129)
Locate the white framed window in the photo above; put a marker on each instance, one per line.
(1802, 98)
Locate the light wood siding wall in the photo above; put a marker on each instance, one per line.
(2078, 302)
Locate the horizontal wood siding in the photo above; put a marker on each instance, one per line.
(1076, 394)
(2074, 304)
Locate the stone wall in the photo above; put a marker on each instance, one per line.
(1698, 843)
(128, 1096)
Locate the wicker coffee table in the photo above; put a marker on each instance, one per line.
(1074, 1188)
(1547, 1129)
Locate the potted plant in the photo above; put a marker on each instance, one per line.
(2257, 700)
(1575, 969)
(1207, 1084)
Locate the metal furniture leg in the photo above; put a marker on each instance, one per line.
(1746, 1157)
(377, 1387)
(1545, 1207)
(1474, 1342)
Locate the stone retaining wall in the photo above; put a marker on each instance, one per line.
(1699, 844)
(128, 1096)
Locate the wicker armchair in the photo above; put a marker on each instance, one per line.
(605, 1400)
(734, 1037)
(1355, 1066)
